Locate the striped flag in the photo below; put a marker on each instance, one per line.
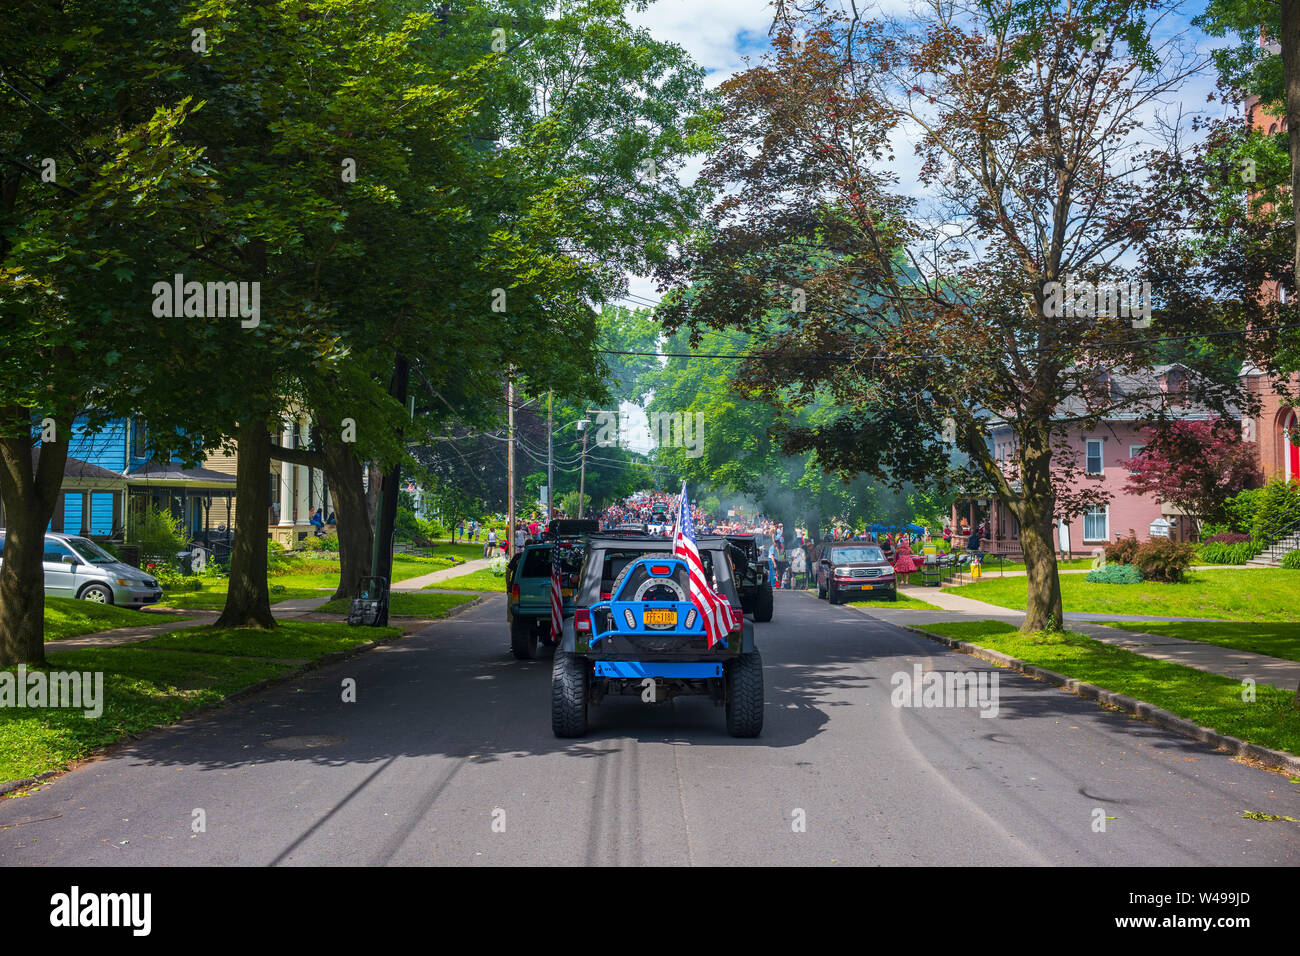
(715, 610)
(557, 602)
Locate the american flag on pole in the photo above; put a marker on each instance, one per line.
(715, 610)
(557, 602)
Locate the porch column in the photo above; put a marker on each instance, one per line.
(286, 477)
(302, 484)
(994, 507)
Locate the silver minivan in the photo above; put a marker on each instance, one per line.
(76, 567)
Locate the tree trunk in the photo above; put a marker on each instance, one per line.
(1036, 511)
(248, 602)
(29, 499)
(374, 477)
(350, 507)
(1043, 611)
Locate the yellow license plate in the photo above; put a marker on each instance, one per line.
(566, 592)
(867, 587)
(660, 618)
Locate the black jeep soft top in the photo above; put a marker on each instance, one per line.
(751, 576)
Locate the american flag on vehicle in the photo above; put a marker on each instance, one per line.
(557, 602)
(715, 610)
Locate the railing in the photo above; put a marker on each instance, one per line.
(1288, 528)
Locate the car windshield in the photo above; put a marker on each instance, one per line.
(91, 552)
(856, 555)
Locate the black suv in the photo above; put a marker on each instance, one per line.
(635, 631)
(750, 562)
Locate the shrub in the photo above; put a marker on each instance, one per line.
(1164, 560)
(1241, 509)
(276, 559)
(1122, 551)
(1279, 504)
(171, 579)
(1225, 537)
(328, 542)
(1291, 560)
(159, 536)
(1116, 574)
(1217, 552)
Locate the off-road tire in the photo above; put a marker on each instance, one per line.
(744, 677)
(763, 606)
(569, 686)
(523, 639)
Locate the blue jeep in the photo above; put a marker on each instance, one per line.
(635, 631)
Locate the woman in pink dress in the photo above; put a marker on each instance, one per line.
(904, 561)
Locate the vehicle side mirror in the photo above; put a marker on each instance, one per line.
(69, 559)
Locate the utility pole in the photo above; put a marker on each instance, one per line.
(582, 479)
(510, 461)
(550, 458)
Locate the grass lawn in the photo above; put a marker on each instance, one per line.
(293, 640)
(409, 604)
(466, 551)
(1208, 699)
(904, 603)
(213, 595)
(68, 617)
(1254, 594)
(156, 682)
(1276, 639)
(474, 581)
(325, 574)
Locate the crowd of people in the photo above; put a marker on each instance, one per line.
(789, 564)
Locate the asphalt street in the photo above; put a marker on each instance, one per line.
(447, 758)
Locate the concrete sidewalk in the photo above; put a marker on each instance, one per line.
(469, 567)
(1211, 658)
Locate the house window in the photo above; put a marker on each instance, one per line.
(1094, 456)
(139, 440)
(1133, 452)
(1096, 523)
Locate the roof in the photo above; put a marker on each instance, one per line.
(76, 468)
(154, 471)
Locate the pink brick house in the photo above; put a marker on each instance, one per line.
(1097, 453)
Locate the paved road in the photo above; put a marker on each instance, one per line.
(449, 730)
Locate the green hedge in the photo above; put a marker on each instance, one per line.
(1116, 574)
(1291, 560)
(1216, 552)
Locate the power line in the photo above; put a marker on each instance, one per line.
(849, 356)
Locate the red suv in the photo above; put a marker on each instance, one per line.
(857, 570)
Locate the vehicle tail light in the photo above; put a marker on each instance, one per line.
(737, 619)
(582, 619)
(514, 593)
(606, 595)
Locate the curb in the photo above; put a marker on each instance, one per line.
(1275, 759)
(334, 657)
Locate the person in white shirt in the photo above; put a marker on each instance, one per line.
(490, 545)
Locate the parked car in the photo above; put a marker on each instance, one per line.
(634, 631)
(76, 567)
(855, 570)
